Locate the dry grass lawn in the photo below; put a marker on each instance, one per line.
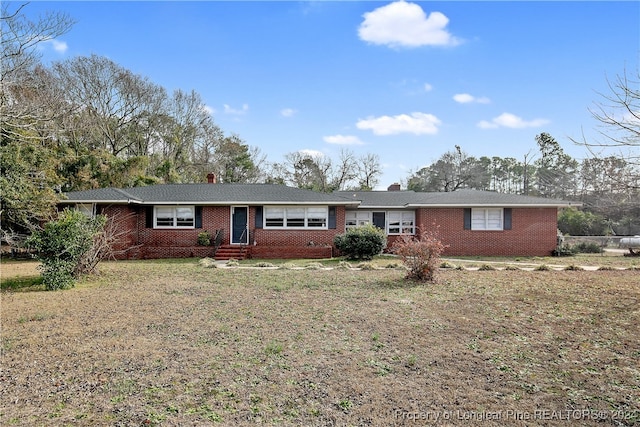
(174, 344)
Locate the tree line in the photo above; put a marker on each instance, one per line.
(608, 187)
(87, 122)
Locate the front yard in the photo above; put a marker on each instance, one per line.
(172, 343)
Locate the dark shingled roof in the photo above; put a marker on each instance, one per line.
(213, 194)
(228, 194)
(405, 199)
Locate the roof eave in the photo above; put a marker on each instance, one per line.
(493, 205)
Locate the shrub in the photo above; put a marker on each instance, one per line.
(587, 248)
(204, 238)
(363, 242)
(486, 267)
(564, 250)
(62, 246)
(420, 255)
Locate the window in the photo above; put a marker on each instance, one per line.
(357, 218)
(274, 217)
(317, 217)
(174, 217)
(89, 209)
(486, 219)
(401, 222)
(295, 217)
(393, 222)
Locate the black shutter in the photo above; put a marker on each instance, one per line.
(467, 219)
(148, 220)
(379, 220)
(507, 219)
(198, 216)
(332, 217)
(258, 216)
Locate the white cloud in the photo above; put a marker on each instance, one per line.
(343, 140)
(465, 98)
(229, 110)
(209, 110)
(57, 45)
(508, 120)
(427, 87)
(312, 153)
(403, 24)
(416, 123)
(287, 112)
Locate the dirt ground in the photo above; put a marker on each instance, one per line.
(172, 343)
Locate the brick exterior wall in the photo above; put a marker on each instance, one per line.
(533, 232)
(139, 242)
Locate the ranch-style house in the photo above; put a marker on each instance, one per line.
(276, 221)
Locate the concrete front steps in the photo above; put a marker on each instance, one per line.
(227, 252)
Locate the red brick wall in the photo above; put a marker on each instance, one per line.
(533, 232)
(142, 242)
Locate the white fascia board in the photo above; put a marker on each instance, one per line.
(385, 207)
(251, 203)
(496, 205)
(103, 202)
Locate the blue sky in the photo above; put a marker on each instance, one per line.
(404, 80)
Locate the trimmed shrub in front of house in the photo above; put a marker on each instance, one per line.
(362, 242)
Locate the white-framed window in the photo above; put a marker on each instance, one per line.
(296, 217)
(400, 222)
(357, 218)
(487, 219)
(174, 217)
(89, 209)
(395, 222)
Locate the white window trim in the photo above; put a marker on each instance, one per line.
(366, 217)
(485, 213)
(403, 217)
(175, 218)
(306, 218)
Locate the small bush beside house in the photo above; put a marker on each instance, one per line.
(363, 242)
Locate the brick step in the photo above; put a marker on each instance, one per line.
(227, 252)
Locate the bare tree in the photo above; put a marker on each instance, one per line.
(618, 115)
(368, 172)
(19, 56)
(113, 103)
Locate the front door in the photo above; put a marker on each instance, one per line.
(239, 229)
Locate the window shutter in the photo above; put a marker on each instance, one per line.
(379, 220)
(467, 219)
(198, 216)
(332, 217)
(148, 221)
(259, 219)
(507, 219)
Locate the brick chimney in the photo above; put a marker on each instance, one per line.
(211, 178)
(394, 187)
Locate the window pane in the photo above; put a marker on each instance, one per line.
(317, 217)
(86, 209)
(317, 222)
(274, 217)
(295, 217)
(164, 216)
(184, 217)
